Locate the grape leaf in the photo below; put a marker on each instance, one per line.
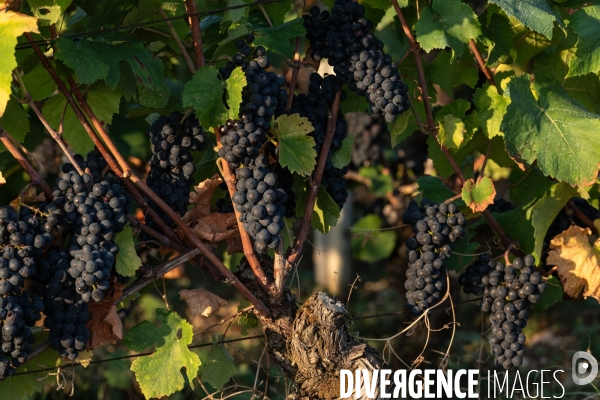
(586, 23)
(127, 260)
(236, 14)
(455, 130)
(434, 189)
(528, 43)
(578, 262)
(326, 212)
(342, 156)
(160, 373)
(296, 147)
(450, 74)
(542, 122)
(48, 11)
(491, 108)
(534, 14)
(447, 23)
(381, 183)
(234, 85)
(497, 36)
(517, 224)
(219, 367)
(247, 319)
(451, 132)
(552, 295)
(478, 195)
(23, 386)
(277, 38)
(354, 102)
(12, 25)
(83, 56)
(399, 128)
(15, 121)
(103, 102)
(204, 92)
(370, 244)
(39, 83)
(546, 209)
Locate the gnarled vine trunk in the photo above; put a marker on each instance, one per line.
(312, 344)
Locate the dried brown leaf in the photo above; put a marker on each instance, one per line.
(104, 324)
(216, 227)
(201, 301)
(30, 196)
(577, 261)
(200, 199)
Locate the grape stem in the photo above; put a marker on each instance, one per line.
(188, 60)
(415, 49)
(315, 183)
(36, 178)
(486, 71)
(120, 163)
(190, 5)
(247, 245)
(295, 69)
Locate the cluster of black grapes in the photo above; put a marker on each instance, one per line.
(22, 239)
(507, 291)
(343, 37)
(315, 106)
(370, 138)
(258, 198)
(436, 228)
(172, 164)
(500, 205)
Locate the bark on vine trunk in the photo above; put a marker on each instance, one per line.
(312, 344)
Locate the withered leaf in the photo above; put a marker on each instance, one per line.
(104, 324)
(200, 198)
(577, 261)
(201, 301)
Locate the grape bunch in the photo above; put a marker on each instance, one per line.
(17, 314)
(285, 179)
(314, 106)
(370, 138)
(66, 311)
(500, 205)
(258, 197)
(343, 37)
(507, 291)
(172, 164)
(436, 228)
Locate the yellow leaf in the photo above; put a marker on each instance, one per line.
(577, 262)
(12, 25)
(85, 357)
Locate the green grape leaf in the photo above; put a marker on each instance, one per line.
(153, 98)
(381, 183)
(586, 23)
(463, 252)
(236, 14)
(542, 122)
(546, 209)
(296, 147)
(447, 23)
(234, 85)
(39, 83)
(84, 57)
(204, 92)
(277, 38)
(527, 43)
(491, 108)
(12, 25)
(127, 260)
(277, 11)
(399, 128)
(103, 102)
(342, 157)
(517, 224)
(369, 244)
(354, 102)
(497, 36)
(15, 121)
(451, 132)
(48, 11)
(478, 195)
(434, 189)
(77, 16)
(450, 74)
(20, 387)
(219, 367)
(160, 373)
(381, 4)
(536, 15)
(553, 63)
(552, 295)
(326, 212)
